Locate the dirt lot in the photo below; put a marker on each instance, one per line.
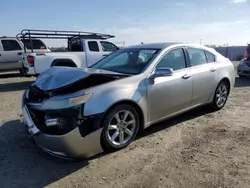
(197, 149)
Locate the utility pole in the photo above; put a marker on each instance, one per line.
(200, 41)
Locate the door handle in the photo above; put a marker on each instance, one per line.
(212, 69)
(186, 76)
(20, 53)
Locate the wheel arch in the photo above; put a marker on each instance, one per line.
(227, 81)
(64, 61)
(134, 105)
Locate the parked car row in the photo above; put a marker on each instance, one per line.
(12, 50)
(77, 113)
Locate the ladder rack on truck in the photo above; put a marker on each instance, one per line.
(83, 50)
(56, 34)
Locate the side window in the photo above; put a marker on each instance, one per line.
(36, 44)
(93, 46)
(210, 57)
(76, 46)
(197, 56)
(174, 59)
(10, 45)
(108, 47)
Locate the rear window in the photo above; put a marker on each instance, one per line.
(76, 46)
(93, 46)
(37, 44)
(210, 57)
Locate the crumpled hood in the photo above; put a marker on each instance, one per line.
(59, 77)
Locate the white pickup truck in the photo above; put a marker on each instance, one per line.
(12, 49)
(84, 49)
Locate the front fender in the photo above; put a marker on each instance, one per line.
(102, 101)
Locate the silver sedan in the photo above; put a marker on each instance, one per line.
(78, 113)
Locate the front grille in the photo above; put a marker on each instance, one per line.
(36, 94)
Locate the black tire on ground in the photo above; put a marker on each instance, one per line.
(106, 143)
(214, 104)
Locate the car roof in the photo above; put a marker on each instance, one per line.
(160, 45)
(164, 45)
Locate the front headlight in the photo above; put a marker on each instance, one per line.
(66, 103)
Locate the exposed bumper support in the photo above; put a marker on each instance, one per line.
(70, 145)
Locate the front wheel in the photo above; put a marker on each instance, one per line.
(121, 126)
(220, 96)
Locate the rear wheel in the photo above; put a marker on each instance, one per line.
(121, 126)
(220, 96)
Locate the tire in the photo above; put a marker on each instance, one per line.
(115, 131)
(222, 92)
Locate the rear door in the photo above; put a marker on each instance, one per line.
(203, 72)
(11, 54)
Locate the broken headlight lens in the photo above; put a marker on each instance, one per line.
(66, 103)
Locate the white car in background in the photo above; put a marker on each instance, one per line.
(12, 49)
(84, 49)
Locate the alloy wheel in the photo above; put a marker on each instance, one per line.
(121, 128)
(221, 95)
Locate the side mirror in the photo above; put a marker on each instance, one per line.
(160, 72)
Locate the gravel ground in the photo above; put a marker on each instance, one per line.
(196, 149)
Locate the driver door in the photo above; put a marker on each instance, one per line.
(168, 95)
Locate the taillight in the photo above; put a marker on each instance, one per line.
(31, 60)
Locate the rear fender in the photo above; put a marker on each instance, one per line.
(43, 63)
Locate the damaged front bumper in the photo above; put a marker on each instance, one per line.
(70, 145)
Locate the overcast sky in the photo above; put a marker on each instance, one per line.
(134, 21)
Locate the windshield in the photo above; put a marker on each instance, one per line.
(37, 44)
(127, 61)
